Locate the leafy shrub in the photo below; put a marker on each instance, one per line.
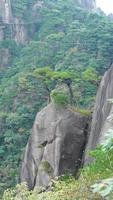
(20, 192)
(59, 98)
(45, 166)
(65, 40)
(105, 187)
(84, 112)
(108, 141)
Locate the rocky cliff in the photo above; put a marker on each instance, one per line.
(17, 23)
(14, 25)
(88, 4)
(101, 122)
(20, 20)
(6, 11)
(55, 145)
(59, 135)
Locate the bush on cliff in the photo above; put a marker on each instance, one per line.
(59, 98)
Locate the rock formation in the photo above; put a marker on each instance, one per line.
(55, 145)
(6, 11)
(101, 122)
(88, 4)
(17, 25)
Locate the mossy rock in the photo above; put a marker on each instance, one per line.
(59, 98)
(45, 166)
(84, 112)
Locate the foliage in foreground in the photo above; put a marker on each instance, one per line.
(94, 183)
(64, 37)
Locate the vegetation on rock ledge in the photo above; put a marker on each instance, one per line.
(64, 37)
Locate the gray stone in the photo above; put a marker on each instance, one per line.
(6, 11)
(55, 145)
(88, 4)
(102, 112)
(20, 32)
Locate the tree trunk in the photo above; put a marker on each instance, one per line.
(70, 93)
(48, 92)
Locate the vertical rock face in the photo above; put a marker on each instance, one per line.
(55, 146)
(5, 11)
(101, 123)
(88, 4)
(18, 30)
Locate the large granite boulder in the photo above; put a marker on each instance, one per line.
(101, 122)
(55, 145)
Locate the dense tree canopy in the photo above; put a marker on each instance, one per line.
(67, 45)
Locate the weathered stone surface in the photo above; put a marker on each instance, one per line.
(89, 4)
(17, 25)
(6, 11)
(102, 111)
(20, 32)
(55, 146)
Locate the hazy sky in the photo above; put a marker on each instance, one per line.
(105, 5)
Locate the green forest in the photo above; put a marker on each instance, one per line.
(69, 49)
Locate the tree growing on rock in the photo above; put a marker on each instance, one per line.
(51, 78)
(45, 75)
(65, 77)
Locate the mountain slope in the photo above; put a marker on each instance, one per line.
(61, 35)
